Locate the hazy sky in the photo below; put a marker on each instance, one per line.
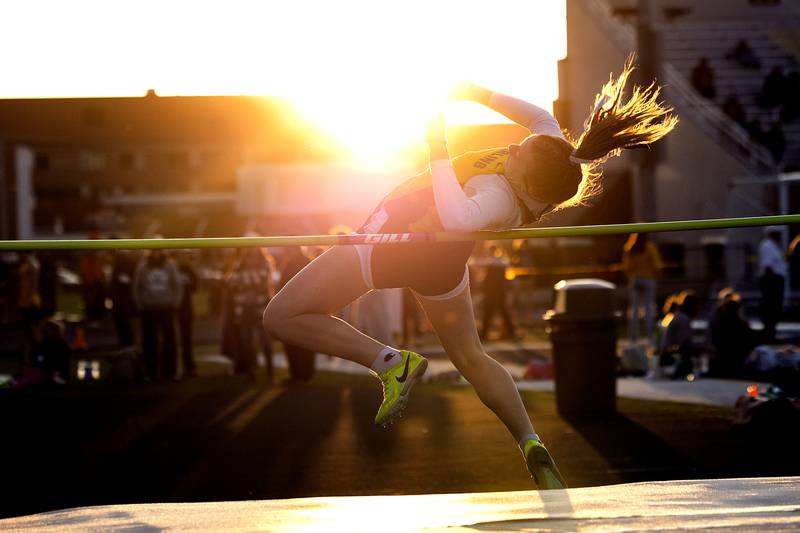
(349, 63)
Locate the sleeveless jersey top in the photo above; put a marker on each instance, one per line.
(411, 207)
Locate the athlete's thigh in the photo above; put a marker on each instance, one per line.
(454, 322)
(327, 284)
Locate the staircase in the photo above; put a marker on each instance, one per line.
(685, 43)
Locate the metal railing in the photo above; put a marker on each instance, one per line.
(690, 105)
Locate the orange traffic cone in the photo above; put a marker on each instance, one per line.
(79, 342)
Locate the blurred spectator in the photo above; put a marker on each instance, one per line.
(775, 141)
(793, 257)
(730, 336)
(734, 109)
(756, 131)
(248, 287)
(48, 282)
(702, 78)
(773, 91)
(743, 55)
(495, 297)
(411, 321)
(380, 313)
(123, 266)
(791, 104)
(188, 280)
(28, 297)
(8, 299)
(93, 284)
(52, 353)
(157, 293)
(773, 269)
(669, 309)
(642, 265)
(301, 361)
(678, 348)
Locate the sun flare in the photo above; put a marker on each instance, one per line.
(369, 73)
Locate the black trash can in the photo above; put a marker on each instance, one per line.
(583, 333)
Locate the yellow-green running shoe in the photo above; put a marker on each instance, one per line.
(397, 383)
(542, 467)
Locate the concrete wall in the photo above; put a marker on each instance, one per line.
(694, 172)
(715, 10)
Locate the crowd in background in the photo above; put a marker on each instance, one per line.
(780, 92)
(728, 345)
(148, 300)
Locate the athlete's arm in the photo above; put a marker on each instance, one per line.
(528, 115)
(457, 211)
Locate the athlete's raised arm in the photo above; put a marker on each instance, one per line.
(528, 115)
(457, 211)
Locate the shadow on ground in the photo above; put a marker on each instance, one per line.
(219, 438)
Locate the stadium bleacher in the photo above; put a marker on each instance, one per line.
(685, 43)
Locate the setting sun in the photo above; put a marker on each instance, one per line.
(368, 73)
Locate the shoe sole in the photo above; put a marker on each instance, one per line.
(399, 406)
(541, 461)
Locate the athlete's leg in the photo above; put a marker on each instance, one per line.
(300, 314)
(454, 322)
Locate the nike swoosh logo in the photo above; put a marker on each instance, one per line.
(402, 378)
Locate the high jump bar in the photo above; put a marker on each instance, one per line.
(396, 238)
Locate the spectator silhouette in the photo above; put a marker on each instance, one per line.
(248, 287)
(123, 267)
(48, 283)
(410, 319)
(755, 130)
(188, 279)
(730, 336)
(791, 104)
(28, 297)
(668, 309)
(743, 55)
(793, 256)
(157, 292)
(642, 265)
(773, 270)
(702, 78)
(52, 353)
(93, 282)
(735, 110)
(678, 346)
(775, 141)
(773, 91)
(495, 293)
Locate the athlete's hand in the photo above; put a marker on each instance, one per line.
(472, 92)
(436, 130)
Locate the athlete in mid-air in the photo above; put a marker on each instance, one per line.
(493, 189)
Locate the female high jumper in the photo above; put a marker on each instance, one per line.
(492, 189)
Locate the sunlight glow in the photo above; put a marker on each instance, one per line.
(370, 73)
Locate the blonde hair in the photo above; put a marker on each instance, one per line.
(568, 172)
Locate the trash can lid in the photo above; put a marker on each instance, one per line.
(583, 283)
(583, 298)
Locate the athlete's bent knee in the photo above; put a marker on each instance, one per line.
(272, 319)
(467, 361)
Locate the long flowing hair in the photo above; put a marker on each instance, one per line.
(568, 173)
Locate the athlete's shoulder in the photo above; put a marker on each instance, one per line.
(491, 160)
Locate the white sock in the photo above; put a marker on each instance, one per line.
(526, 438)
(387, 358)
